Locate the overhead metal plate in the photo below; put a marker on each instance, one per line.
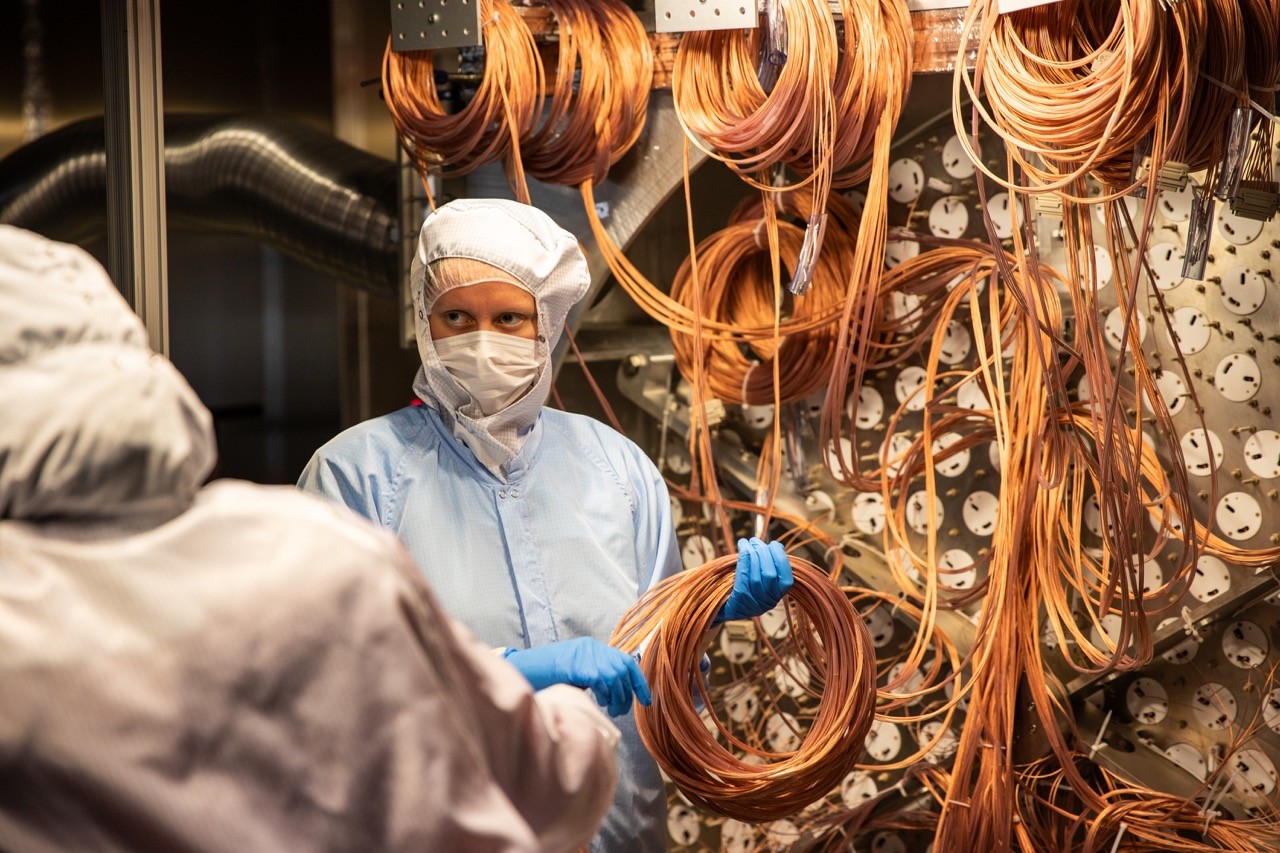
(682, 16)
(434, 24)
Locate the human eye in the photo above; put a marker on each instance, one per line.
(511, 319)
(457, 318)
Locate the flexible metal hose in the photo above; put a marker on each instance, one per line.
(271, 179)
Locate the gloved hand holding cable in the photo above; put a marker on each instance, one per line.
(762, 577)
(613, 676)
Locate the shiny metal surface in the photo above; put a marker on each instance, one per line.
(133, 94)
(273, 179)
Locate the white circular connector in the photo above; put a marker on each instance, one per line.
(949, 217)
(1165, 260)
(910, 388)
(957, 343)
(980, 512)
(1173, 391)
(1189, 758)
(956, 570)
(955, 159)
(868, 512)
(1253, 773)
(1245, 644)
(782, 732)
(1201, 451)
(1243, 290)
(1190, 328)
(1262, 453)
(1214, 706)
(683, 825)
(884, 741)
(1238, 377)
(1211, 579)
(698, 549)
(1002, 213)
(906, 180)
(868, 409)
(1175, 205)
(857, 788)
(1147, 701)
(1238, 230)
(1114, 330)
(919, 518)
(879, 625)
(955, 464)
(1239, 516)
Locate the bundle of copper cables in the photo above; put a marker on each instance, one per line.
(725, 110)
(604, 71)
(669, 625)
(1072, 91)
(740, 280)
(597, 109)
(504, 109)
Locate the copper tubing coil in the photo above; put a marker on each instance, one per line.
(741, 285)
(873, 81)
(600, 99)
(597, 108)
(677, 614)
(503, 110)
(1262, 47)
(726, 112)
(1080, 85)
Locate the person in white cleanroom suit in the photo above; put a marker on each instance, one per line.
(233, 667)
(537, 528)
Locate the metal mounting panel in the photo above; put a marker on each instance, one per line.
(681, 16)
(434, 24)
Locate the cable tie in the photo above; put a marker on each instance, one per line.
(1189, 624)
(1257, 106)
(1119, 835)
(1098, 742)
(756, 234)
(746, 377)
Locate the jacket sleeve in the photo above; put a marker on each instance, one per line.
(350, 482)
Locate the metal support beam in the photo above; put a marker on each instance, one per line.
(134, 108)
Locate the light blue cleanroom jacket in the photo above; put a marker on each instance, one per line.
(581, 529)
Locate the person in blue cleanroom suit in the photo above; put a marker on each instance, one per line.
(536, 528)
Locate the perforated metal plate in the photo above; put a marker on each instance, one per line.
(434, 24)
(682, 16)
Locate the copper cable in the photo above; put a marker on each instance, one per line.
(600, 98)
(504, 108)
(674, 617)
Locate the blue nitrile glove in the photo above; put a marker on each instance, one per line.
(612, 675)
(763, 577)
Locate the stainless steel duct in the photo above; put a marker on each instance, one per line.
(269, 178)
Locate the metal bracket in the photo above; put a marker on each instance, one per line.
(682, 16)
(434, 24)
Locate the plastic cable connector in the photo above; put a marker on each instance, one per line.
(808, 260)
(1234, 154)
(1199, 232)
(773, 49)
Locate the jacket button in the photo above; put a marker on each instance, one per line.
(502, 494)
(515, 493)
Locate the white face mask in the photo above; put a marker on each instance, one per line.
(494, 368)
